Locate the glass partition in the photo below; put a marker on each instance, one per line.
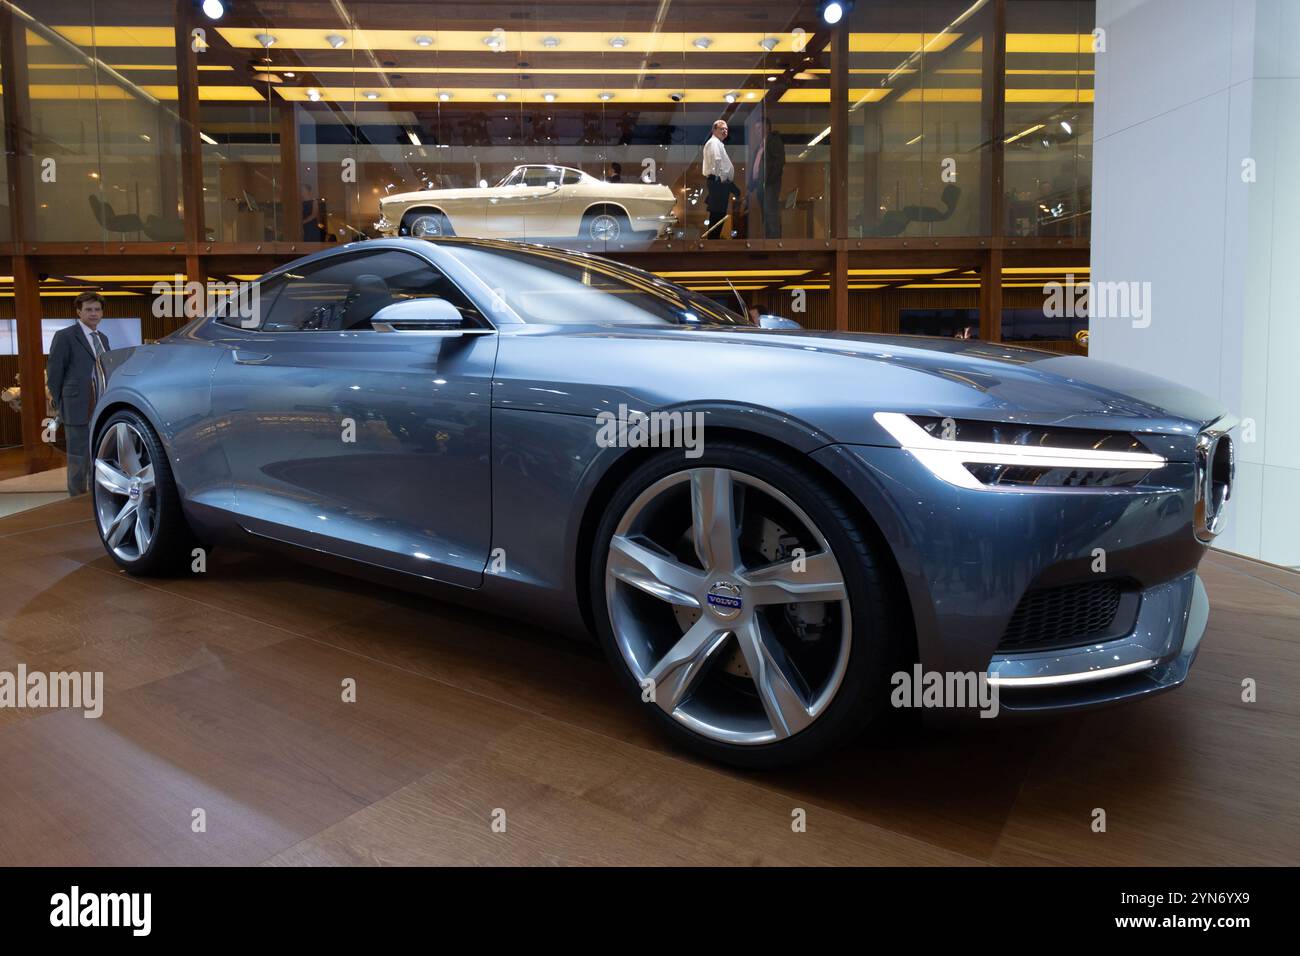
(104, 121)
(1048, 132)
(916, 143)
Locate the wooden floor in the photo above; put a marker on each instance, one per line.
(223, 693)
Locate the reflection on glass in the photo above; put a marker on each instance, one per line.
(1048, 132)
(916, 143)
(105, 126)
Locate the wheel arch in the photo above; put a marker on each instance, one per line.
(605, 205)
(423, 207)
(785, 447)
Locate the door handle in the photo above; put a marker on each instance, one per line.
(250, 358)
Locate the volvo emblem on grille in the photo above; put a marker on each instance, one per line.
(724, 600)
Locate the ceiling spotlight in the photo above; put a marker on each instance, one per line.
(335, 40)
(1069, 130)
(550, 42)
(444, 96)
(618, 42)
(495, 40)
(768, 43)
(290, 75)
(702, 43)
(370, 95)
(265, 39)
(605, 97)
(501, 97)
(213, 9)
(833, 12)
(730, 97)
(549, 97)
(313, 95)
(423, 41)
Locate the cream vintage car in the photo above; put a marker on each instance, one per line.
(534, 202)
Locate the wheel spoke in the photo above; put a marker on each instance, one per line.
(119, 526)
(775, 678)
(654, 572)
(128, 458)
(713, 520)
(145, 478)
(680, 669)
(110, 478)
(781, 583)
(142, 533)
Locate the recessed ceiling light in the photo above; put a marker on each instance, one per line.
(549, 97)
(772, 79)
(606, 97)
(313, 95)
(335, 40)
(444, 96)
(213, 9)
(730, 97)
(550, 42)
(618, 42)
(291, 75)
(265, 39)
(370, 95)
(423, 40)
(702, 43)
(768, 43)
(501, 97)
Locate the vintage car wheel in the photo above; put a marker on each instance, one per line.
(605, 226)
(137, 506)
(427, 224)
(752, 659)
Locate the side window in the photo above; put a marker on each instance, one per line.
(572, 177)
(344, 293)
(244, 311)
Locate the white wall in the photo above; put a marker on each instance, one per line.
(1187, 90)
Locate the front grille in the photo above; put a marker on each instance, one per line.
(1063, 616)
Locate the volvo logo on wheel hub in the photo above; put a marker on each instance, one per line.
(724, 600)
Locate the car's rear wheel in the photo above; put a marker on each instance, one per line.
(426, 224)
(743, 605)
(137, 506)
(605, 225)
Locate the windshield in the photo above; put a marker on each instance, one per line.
(556, 288)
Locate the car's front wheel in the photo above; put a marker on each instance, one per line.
(743, 605)
(137, 506)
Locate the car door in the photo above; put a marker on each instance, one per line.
(525, 209)
(369, 444)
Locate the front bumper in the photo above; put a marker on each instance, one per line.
(968, 556)
(385, 227)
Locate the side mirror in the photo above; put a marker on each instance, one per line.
(777, 322)
(418, 315)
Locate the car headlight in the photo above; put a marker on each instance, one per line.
(984, 455)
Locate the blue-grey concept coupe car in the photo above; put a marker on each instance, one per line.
(763, 528)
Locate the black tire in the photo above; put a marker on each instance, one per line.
(170, 551)
(591, 215)
(408, 222)
(877, 644)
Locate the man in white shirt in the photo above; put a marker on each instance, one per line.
(719, 175)
(70, 372)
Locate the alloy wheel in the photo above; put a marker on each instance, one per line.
(426, 226)
(604, 228)
(728, 604)
(125, 501)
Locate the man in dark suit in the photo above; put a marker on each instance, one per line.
(70, 373)
(765, 175)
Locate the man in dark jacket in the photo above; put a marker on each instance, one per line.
(70, 373)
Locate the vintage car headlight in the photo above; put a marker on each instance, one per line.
(1009, 455)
